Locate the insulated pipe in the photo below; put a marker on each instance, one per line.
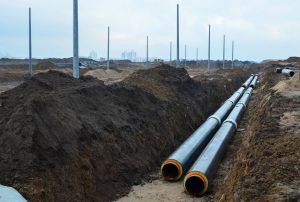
(177, 164)
(197, 180)
(288, 72)
(254, 81)
(248, 82)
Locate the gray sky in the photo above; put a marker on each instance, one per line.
(262, 29)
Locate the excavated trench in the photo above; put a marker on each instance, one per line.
(266, 166)
(261, 163)
(80, 140)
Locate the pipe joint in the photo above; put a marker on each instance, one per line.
(230, 101)
(232, 122)
(217, 118)
(238, 92)
(244, 105)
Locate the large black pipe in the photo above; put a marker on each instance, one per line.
(178, 163)
(197, 180)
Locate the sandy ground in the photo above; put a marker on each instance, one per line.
(289, 88)
(160, 190)
(111, 75)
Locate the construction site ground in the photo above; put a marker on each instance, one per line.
(104, 136)
(262, 161)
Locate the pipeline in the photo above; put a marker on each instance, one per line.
(254, 81)
(197, 180)
(288, 72)
(248, 82)
(178, 162)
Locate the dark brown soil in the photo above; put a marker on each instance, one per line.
(80, 140)
(44, 65)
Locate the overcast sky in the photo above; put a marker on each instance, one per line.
(261, 29)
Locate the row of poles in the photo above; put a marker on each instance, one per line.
(76, 45)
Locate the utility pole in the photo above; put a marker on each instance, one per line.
(197, 56)
(232, 54)
(170, 52)
(147, 51)
(185, 56)
(209, 71)
(75, 40)
(30, 46)
(224, 51)
(108, 44)
(178, 60)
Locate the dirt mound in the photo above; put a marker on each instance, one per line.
(289, 88)
(293, 59)
(80, 140)
(109, 76)
(163, 82)
(44, 65)
(160, 82)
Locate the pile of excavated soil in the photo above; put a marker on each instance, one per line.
(11, 75)
(289, 88)
(80, 140)
(109, 76)
(44, 65)
(267, 164)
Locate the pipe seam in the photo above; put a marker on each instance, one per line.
(244, 105)
(232, 122)
(216, 118)
(230, 101)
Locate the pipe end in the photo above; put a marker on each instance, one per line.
(171, 170)
(292, 74)
(196, 183)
